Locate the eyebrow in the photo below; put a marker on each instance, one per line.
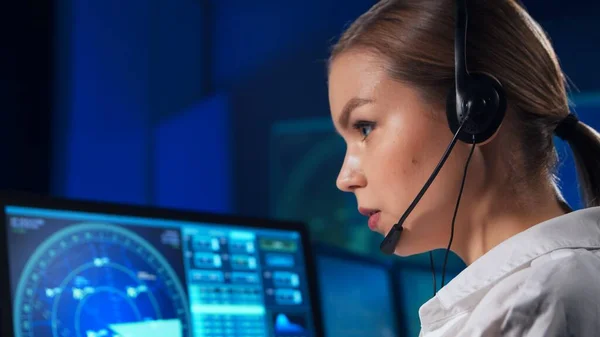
(352, 104)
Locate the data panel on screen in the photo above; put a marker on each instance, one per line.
(76, 274)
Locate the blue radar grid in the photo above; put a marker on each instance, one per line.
(92, 280)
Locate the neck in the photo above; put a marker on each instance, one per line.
(494, 221)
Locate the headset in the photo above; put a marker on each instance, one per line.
(475, 109)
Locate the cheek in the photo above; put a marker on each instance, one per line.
(401, 162)
(407, 160)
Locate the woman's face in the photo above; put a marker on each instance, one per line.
(394, 140)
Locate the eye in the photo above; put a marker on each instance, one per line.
(364, 127)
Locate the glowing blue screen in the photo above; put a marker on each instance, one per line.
(79, 274)
(356, 298)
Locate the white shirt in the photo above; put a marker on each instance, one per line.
(544, 281)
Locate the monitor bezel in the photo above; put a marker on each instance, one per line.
(24, 199)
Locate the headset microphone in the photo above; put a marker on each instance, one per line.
(389, 243)
(475, 108)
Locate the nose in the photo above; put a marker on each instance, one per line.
(351, 176)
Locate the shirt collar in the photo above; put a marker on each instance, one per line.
(578, 229)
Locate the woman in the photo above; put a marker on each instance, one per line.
(533, 264)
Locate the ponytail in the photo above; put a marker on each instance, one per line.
(585, 145)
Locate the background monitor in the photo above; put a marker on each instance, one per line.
(99, 270)
(357, 295)
(414, 287)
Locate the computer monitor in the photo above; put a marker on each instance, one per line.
(414, 284)
(357, 295)
(84, 269)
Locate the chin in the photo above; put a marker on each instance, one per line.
(409, 245)
(404, 251)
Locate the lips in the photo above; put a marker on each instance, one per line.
(373, 215)
(367, 211)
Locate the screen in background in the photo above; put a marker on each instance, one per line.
(356, 298)
(416, 288)
(99, 275)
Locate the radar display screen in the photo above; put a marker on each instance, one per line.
(80, 274)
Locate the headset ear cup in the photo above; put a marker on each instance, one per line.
(484, 121)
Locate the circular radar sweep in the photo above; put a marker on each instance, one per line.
(99, 280)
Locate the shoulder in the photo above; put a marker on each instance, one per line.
(559, 294)
(556, 295)
(565, 276)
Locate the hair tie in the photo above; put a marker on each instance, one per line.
(565, 128)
